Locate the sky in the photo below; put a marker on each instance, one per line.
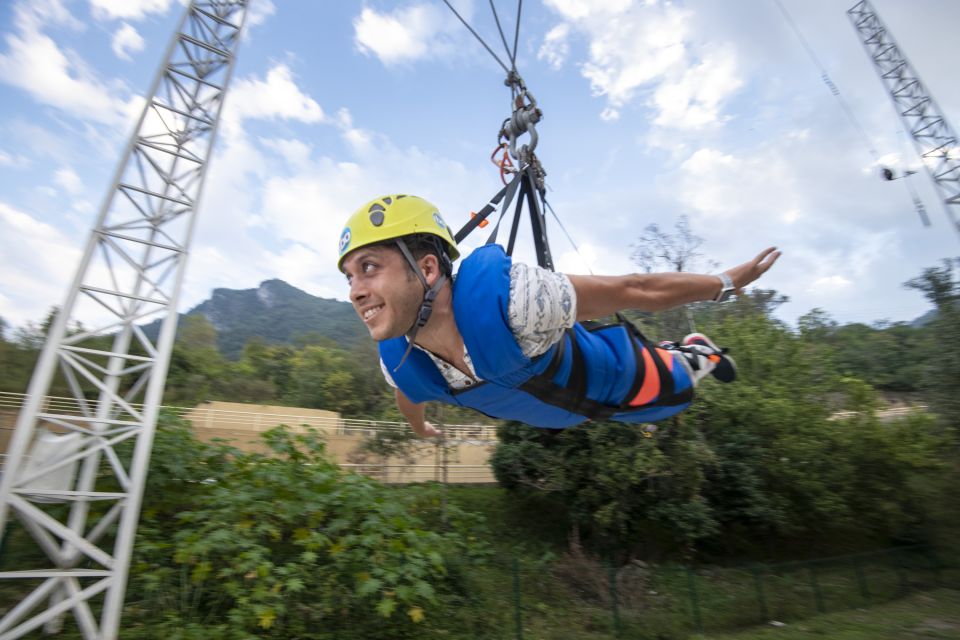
(652, 110)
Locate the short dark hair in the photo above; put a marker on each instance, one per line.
(423, 244)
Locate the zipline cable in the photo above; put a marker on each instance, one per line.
(827, 81)
(528, 180)
(908, 181)
(569, 238)
(516, 35)
(503, 38)
(477, 36)
(887, 173)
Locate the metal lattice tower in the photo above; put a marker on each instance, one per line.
(932, 135)
(74, 475)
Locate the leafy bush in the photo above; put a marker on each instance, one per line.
(287, 546)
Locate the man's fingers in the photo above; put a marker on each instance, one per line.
(766, 259)
(765, 253)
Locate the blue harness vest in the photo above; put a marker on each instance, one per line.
(594, 373)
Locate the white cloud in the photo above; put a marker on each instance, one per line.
(68, 180)
(638, 48)
(258, 11)
(295, 152)
(32, 16)
(555, 47)
(37, 261)
(693, 100)
(402, 35)
(33, 62)
(276, 97)
(7, 160)
(827, 285)
(128, 9)
(410, 33)
(711, 182)
(583, 9)
(126, 40)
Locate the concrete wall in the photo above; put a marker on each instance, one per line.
(467, 451)
(242, 425)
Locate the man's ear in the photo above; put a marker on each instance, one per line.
(430, 266)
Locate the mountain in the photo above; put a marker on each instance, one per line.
(925, 319)
(276, 312)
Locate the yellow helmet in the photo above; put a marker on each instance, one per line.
(390, 217)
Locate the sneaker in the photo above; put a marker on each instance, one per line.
(725, 369)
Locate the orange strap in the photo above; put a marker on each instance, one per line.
(650, 389)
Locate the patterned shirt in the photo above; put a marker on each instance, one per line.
(542, 305)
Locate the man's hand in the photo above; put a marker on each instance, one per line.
(429, 431)
(747, 272)
(414, 413)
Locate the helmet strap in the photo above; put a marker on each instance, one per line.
(429, 295)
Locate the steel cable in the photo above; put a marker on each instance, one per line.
(503, 38)
(477, 36)
(516, 36)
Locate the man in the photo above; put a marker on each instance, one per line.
(507, 339)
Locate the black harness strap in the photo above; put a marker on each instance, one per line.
(525, 182)
(572, 396)
(482, 215)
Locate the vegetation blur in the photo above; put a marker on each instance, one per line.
(781, 496)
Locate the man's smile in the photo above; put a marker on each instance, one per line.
(371, 312)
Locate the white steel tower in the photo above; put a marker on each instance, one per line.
(932, 135)
(79, 499)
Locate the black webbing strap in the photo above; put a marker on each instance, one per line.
(572, 396)
(487, 209)
(537, 221)
(515, 225)
(524, 180)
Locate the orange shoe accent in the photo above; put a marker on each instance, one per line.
(650, 388)
(714, 358)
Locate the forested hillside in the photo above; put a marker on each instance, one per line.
(276, 313)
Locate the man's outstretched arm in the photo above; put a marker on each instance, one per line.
(600, 296)
(415, 414)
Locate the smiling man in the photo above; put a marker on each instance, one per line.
(506, 338)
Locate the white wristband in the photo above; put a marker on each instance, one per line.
(726, 287)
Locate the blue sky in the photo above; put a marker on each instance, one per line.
(652, 110)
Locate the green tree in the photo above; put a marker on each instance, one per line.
(17, 361)
(630, 492)
(268, 362)
(752, 466)
(941, 384)
(196, 365)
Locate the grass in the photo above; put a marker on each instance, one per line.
(921, 616)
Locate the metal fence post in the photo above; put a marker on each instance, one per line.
(815, 585)
(861, 580)
(694, 600)
(901, 576)
(761, 597)
(516, 599)
(935, 565)
(615, 604)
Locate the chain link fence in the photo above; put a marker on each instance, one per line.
(578, 597)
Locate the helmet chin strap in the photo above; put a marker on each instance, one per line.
(426, 307)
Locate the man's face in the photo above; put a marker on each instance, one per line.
(384, 291)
